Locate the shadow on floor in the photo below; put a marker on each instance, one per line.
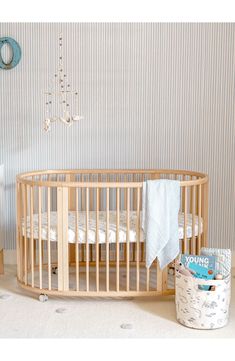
(161, 307)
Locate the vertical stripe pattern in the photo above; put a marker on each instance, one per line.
(152, 96)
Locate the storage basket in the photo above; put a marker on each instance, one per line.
(200, 308)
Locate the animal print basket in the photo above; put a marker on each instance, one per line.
(200, 308)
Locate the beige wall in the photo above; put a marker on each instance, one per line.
(152, 95)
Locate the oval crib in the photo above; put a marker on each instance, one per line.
(79, 231)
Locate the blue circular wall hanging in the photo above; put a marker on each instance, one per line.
(16, 53)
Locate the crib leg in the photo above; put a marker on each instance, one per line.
(43, 298)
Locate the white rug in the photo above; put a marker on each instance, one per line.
(22, 315)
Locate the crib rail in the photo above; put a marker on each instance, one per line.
(114, 268)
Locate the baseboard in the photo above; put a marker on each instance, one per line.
(10, 257)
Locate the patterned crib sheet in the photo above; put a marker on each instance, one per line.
(102, 227)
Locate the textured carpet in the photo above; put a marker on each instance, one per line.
(22, 315)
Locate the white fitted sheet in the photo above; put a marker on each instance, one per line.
(102, 227)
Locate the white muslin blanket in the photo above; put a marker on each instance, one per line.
(160, 208)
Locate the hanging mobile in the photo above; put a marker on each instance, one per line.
(63, 91)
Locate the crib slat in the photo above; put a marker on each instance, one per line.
(87, 240)
(148, 269)
(32, 234)
(135, 190)
(34, 241)
(71, 191)
(49, 236)
(124, 245)
(191, 197)
(142, 246)
(128, 241)
(40, 234)
(25, 235)
(91, 197)
(107, 239)
(42, 239)
(97, 239)
(22, 238)
(196, 199)
(183, 193)
(17, 236)
(83, 204)
(71, 206)
(19, 232)
(100, 180)
(134, 208)
(204, 239)
(77, 243)
(199, 218)
(138, 241)
(159, 277)
(117, 238)
(193, 248)
(125, 190)
(184, 248)
(164, 278)
(147, 278)
(62, 238)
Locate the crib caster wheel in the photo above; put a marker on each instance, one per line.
(43, 297)
(54, 270)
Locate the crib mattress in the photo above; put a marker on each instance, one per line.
(102, 227)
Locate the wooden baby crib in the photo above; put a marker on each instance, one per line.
(79, 231)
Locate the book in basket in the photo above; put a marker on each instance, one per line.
(200, 266)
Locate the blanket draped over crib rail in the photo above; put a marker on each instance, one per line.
(161, 205)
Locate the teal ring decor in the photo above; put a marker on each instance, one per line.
(16, 51)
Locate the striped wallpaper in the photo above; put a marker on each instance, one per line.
(152, 96)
